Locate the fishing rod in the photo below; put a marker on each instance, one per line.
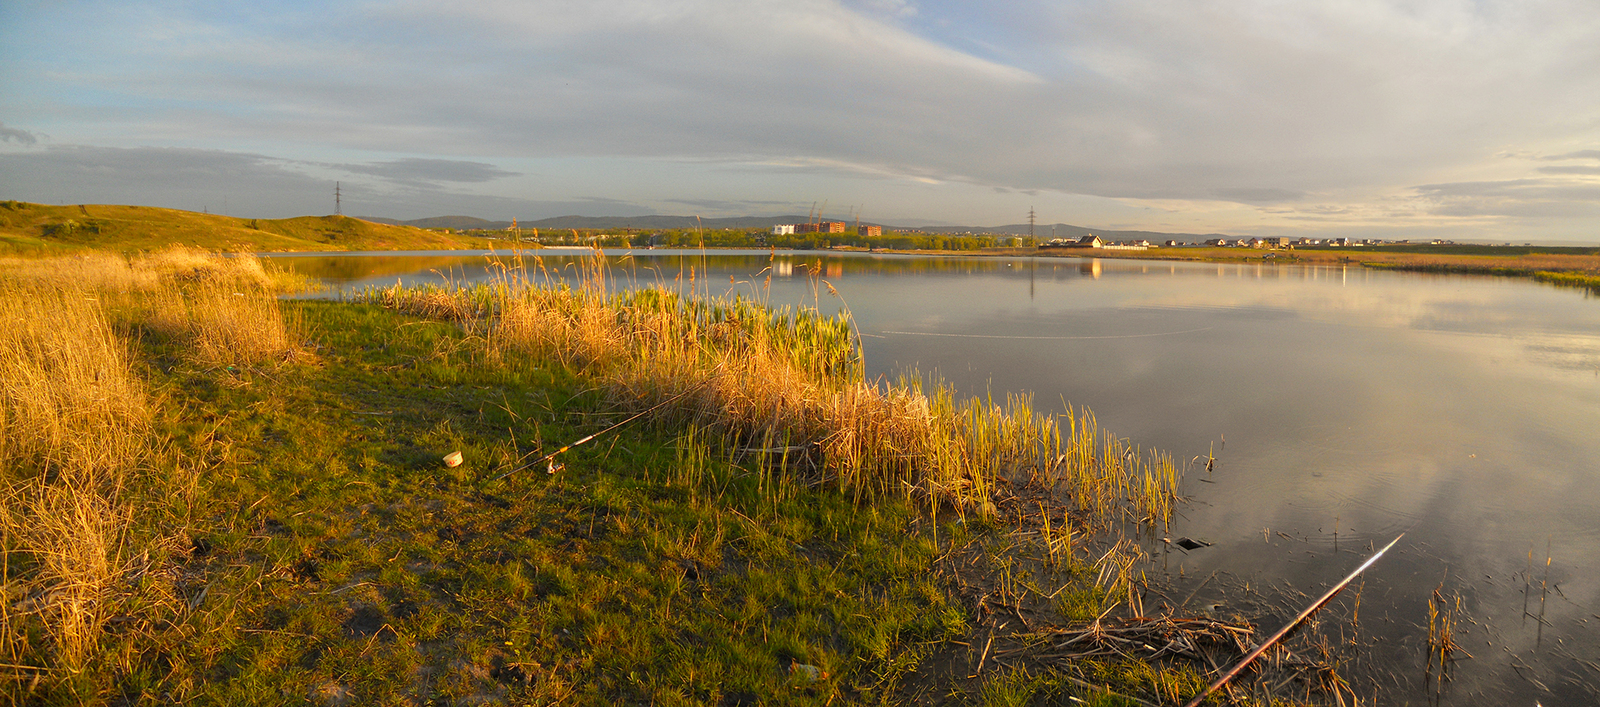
(1248, 659)
(629, 419)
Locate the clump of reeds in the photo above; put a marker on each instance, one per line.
(225, 327)
(70, 403)
(75, 427)
(1115, 574)
(1589, 281)
(73, 423)
(788, 383)
(111, 273)
(1442, 644)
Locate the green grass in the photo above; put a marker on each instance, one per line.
(39, 229)
(327, 551)
(288, 531)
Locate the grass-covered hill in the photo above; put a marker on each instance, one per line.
(44, 229)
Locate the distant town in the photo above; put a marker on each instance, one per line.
(1093, 241)
(815, 233)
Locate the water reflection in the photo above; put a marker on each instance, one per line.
(1356, 404)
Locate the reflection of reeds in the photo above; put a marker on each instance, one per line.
(766, 378)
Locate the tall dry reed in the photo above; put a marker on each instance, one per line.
(74, 422)
(788, 383)
(224, 327)
(75, 428)
(109, 273)
(70, 403)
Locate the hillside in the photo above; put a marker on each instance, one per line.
(1062, 230)
(764, 222)
(41, 228)
(460, 223)
(598, 222)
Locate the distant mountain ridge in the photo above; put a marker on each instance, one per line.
(1065, 231)
(1043, 231)
(597, 222)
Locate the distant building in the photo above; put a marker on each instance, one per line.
(871, 231)
(820, 227)
(1089, 241)
(783, 229)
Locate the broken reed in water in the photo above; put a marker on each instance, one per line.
(787, 385)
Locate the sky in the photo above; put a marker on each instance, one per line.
(1459, 119)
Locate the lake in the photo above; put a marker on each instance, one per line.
(1345, 406)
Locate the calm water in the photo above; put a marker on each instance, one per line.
(1463, 411)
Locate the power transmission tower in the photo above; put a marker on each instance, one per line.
(338, 208)
(1030, 222)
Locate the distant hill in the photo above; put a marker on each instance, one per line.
(460, 223)
(1062, 230)
(43, 228)
(748, 222)
(595, 222)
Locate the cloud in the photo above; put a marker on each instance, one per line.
(1570, 169)
(416, 169)
(1536, 198)
(1232, 102)
(249, 184)
(890, 8)
(1578, 155)
(184, 178)
(735, 206)
(19, 136)
(1256, 195)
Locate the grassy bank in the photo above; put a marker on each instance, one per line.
(1563, 267)
(211, 496)
(40, 229)
(1580, 279)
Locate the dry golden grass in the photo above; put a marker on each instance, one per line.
(72, 405)
(224, 327)
(76, 534)
(74, 420)
(224, 306)
(75, 424)
(786, 387)
(176, 265)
